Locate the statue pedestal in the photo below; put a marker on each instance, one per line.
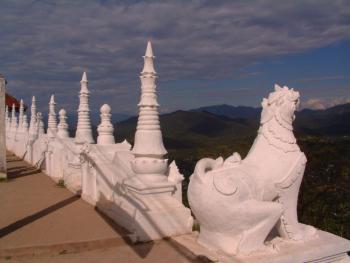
(149, 211)
(326, 248)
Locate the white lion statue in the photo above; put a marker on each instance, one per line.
(238, 202)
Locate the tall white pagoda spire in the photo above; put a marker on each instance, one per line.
(84, 131)
(14, 123)
(52, 121)
(40, 124)
(148, 148)
(20, 116)
(32, 125)
(25, 124)
(8, 120)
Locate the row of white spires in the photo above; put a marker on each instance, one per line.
(36, 126)
(148, 137)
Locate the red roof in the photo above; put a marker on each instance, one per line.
(10, 100)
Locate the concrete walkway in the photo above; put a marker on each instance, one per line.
(43, 222)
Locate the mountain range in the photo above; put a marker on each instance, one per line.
(185, 128)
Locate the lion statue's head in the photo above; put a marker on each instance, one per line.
(281, 104)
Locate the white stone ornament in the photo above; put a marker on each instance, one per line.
(25, 124)
(148, 204)
(84, 131)
(8, 120)
(14, 123)
(20, 116)
(40, 124)
(238, 202)
(52, 121)
(105, 129)
(62, 126)
(148, 148)
(33, 125)
(176, 177)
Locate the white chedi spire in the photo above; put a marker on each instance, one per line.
(148, 148)
(62, 126)
(84, 132)
(40, 123)
(148, 137)
(52, 122)
(105, 129)
(7, 119)
(25, 124)
(14, 123)
(20, 116)
(33, 125)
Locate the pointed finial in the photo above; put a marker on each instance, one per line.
(149, 51)
(84, 77)
(33, 99)
(21, 103)
(52, 99)
(148, 67)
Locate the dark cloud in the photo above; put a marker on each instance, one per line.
(45, 45)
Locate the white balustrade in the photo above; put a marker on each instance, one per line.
(136, 188)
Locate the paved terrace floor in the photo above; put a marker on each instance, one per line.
(43, 222)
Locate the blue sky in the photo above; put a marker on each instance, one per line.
(207, 52)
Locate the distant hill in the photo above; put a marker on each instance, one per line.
(223, 122)
(187, 129)
(334, 121)
(231, 111)
(331, 122)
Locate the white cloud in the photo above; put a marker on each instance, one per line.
(324, 103)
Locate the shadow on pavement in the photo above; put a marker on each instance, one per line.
(30, 219)
(17, 172)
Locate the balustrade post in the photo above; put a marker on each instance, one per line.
(52, 122)
(20, 117)
(84, 131)
(105, 129)
(33, 125)
(62, 126)
(40, 124)
(148, 149)
(14, 127)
